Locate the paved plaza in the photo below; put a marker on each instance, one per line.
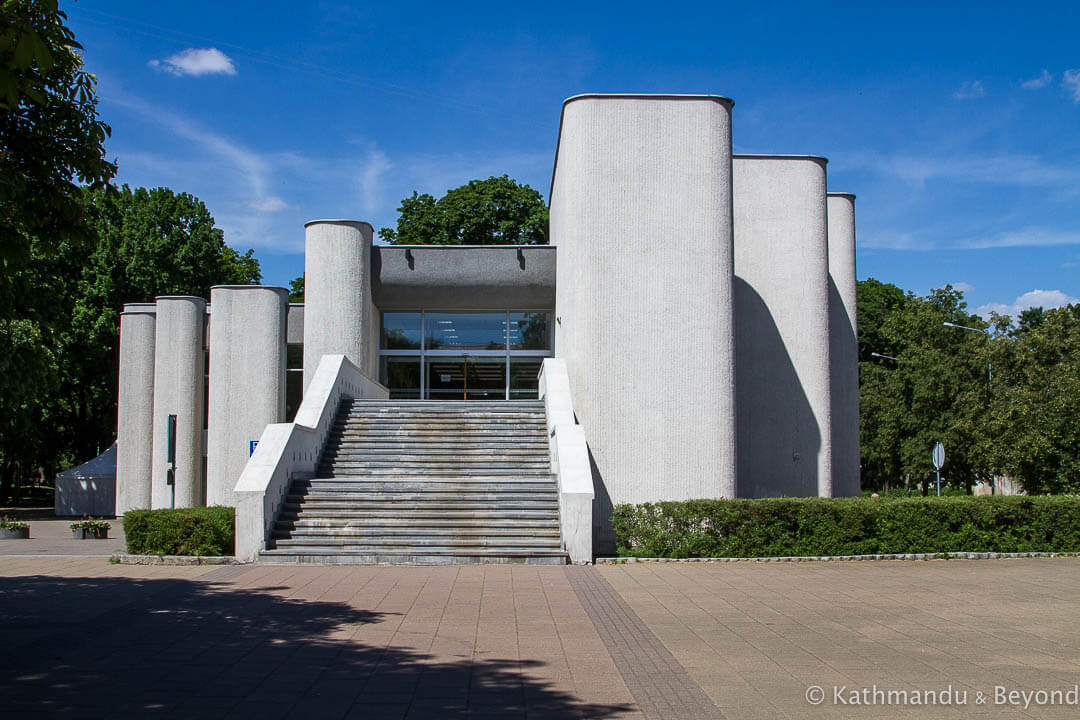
(85, 638)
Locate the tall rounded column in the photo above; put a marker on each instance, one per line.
(844, 344)
(247, 379)
(179, 386)
(135, 408)
(782, 326)
(339, 317)
(641, 215)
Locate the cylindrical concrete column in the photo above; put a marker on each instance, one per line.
(641, 215)
(135, 408)
(339, 317)
(782, 326)
(247, 379)
(844, 344)
(179, 386)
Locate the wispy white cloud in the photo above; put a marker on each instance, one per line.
(1035, 298)
(236, 178)
(1071, 82)
(196, 61)
(1021, 170)
(1041, 81)
(969, 90)
(270, 203)
(963, 286)
(371, 180)
(1026, 237)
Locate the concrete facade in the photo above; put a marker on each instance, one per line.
(701, 306)
(247, 371)
(782, 327)
(339, 316)
(843, 344)
(179, 387)
(641, 215)
(135, 408)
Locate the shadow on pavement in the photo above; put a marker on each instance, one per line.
(149, 648)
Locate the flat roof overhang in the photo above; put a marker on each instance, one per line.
(463, 277)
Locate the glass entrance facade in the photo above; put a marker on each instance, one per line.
(483, 355)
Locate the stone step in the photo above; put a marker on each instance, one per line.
(434, 542)
(361, 470)
(535, 450)
(451, 405)
(434, 520)
(427, 556)
(294, 512)
(414, 485)
(422, 534)
(508, 500)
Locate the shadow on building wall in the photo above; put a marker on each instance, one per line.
(844, 386)
(778, 436)
(145, 648)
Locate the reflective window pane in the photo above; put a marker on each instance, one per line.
(465, 331)
(523, 377)
(401, 375)
(401, 331)
(530, 331)
(469, 378)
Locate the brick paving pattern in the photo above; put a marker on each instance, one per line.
(756, 636)
(662, 688)
(84, 638)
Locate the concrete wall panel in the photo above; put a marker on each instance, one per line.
(179, 387)
(339, 317)
(641, 215)
(782, 326)
(135, 408)
(462, 277)
(844, 344)
(247, 379)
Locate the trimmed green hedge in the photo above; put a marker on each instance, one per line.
(184, 531)
(782, 527)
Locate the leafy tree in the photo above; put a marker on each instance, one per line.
(496, 211)
(50, 135)
(936, 389)
(1034, 436)
(296, 290)
(146, 243)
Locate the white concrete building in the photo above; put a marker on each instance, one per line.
(689, 333)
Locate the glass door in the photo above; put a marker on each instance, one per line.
(466, 378)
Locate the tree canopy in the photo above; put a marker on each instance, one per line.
(496, 211)
(51, 139)
(1018, 421)
(58, 387)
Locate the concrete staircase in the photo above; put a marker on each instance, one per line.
(426, 482)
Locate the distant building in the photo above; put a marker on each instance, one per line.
(703, 304)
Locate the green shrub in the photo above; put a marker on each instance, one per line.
(184, 531)
(779, 527)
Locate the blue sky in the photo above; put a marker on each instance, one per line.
(957, 125)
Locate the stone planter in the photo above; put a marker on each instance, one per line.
(84, 534)
(15, 534)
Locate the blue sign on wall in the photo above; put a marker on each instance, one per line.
(252, 444)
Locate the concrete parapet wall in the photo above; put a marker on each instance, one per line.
(290, 450)
(782, 346)
(179, 386)
(247, 379)
(135, 408)
(569, 461)
(641, 215)
(843, 344)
